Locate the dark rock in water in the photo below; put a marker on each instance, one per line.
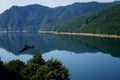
(26, 47)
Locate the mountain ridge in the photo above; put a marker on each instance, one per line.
(32, 17)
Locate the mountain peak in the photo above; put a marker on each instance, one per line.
(29, 6)
(14, 6)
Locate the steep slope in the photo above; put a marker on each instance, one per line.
(103, 22)
(32, 17)
(16, 18)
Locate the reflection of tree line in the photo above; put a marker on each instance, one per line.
(43, 43)
(105, 45)
(15, 42)
(47, 42)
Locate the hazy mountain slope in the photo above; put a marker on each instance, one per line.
(32, 17)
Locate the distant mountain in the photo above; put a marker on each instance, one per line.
(105, 21)
(32, 17)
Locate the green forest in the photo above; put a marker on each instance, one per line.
(106, 21)
(35, 69)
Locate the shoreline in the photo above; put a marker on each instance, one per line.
(81, 34)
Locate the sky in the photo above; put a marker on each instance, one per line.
(6, 4)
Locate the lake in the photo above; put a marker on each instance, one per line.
(87, 58)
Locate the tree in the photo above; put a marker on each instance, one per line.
(35, 69)
(32, 66)
(13, 69)
(29, 70)
(37, 59)
(14, 66)
(1, 71)
(52, 70)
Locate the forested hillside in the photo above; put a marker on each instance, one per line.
(105, 21)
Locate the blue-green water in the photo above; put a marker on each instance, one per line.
(87, 58)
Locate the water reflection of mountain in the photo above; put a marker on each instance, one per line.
(14, 42)
(106, 45)
(47, 42)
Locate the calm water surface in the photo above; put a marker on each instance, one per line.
(87, 58)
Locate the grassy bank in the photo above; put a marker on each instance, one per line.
(82, 34)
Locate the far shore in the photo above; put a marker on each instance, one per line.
(82, 34)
